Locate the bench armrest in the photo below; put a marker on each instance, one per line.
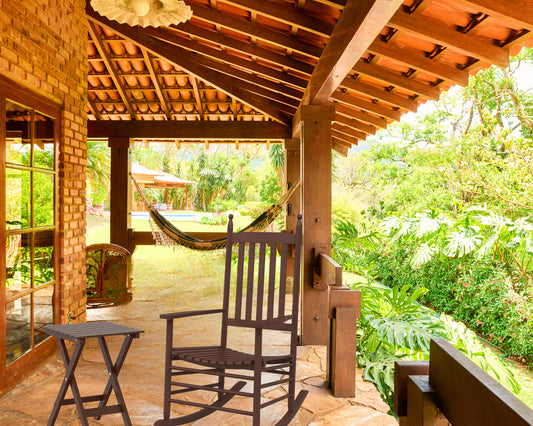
(175, 315)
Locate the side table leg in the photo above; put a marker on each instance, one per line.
(113, 371)
(70, 367)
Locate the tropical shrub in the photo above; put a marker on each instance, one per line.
(476, 269)
(394, 327)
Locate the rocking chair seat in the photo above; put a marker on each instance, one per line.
(218, 356)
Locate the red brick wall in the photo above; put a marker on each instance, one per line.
(43, 46)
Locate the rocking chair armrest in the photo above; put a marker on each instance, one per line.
(174, 315)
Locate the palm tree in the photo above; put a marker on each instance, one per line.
(98, 167)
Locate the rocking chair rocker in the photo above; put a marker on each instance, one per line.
(243, 306)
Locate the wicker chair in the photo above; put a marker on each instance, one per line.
(257, 301)
(108, 275)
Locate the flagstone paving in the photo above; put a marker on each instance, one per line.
(141, 378)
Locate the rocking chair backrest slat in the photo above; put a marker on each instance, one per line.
(260, 279)
(250, 281)
(271, 283)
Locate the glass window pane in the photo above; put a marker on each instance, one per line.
(18, 133)
(43, 312)
(43, 142)
(18, 263)
(43, 259)
(43, 199)
(18, 196)
(18, 336)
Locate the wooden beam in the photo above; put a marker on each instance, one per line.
(106, 58)
(155, 81)
(355, 124)
(367, 106)
(361, 116)
(226, 57)
(253, 30)
(398, 80)
(348, 131)
(185, 60)
(380, 94)
(197, 96)
(260, 82)
(517, 12)
(444, 36)
(286, 14)
(94, 108)
(188, 130)
(339, 148)
(359, 24)
(349, 140)
(420, 62)
(246, 48)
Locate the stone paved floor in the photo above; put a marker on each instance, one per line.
(141, 378)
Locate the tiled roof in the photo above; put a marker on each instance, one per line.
(249, 60)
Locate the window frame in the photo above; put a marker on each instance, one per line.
(27, 363)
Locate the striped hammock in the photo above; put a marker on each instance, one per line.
(166, 234)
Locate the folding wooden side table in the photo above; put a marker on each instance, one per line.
(78, 333)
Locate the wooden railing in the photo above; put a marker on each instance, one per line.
(344, 309)
(451, 389)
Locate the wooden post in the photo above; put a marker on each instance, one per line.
(315, 142)
(291, 176)
(120, 192)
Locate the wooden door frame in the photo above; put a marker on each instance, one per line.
(19, 369)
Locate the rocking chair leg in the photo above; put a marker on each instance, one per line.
(285, 420)
(203, 412)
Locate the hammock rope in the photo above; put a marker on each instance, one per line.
(165, 233)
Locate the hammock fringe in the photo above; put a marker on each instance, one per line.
(166, 234)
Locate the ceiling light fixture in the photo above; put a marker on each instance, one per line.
(153, 13)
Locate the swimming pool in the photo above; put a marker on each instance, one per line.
(190, 217)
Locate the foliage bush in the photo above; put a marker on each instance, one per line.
(215, 219)
(476, 293)
(394, 327)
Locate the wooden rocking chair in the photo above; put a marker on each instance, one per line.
(243, 306)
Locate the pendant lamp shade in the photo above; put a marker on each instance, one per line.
(153, 13)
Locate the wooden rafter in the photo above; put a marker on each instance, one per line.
(348, 131)
(452, 39)
(197, 97)
(99, 44)
(260, 82)
(344, 137)
(381, 94)
(289, 16)
(517, 12)
(247, 48)
(359, 24)
(339, 147)
(216, 54)
(156, 84)
(420, 62)
(361, 115)
(94, 108)
(389, 77)
(254, 30)
(367, 106)
(355, 124)
(183, 59)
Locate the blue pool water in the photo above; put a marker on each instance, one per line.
(191, 217)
